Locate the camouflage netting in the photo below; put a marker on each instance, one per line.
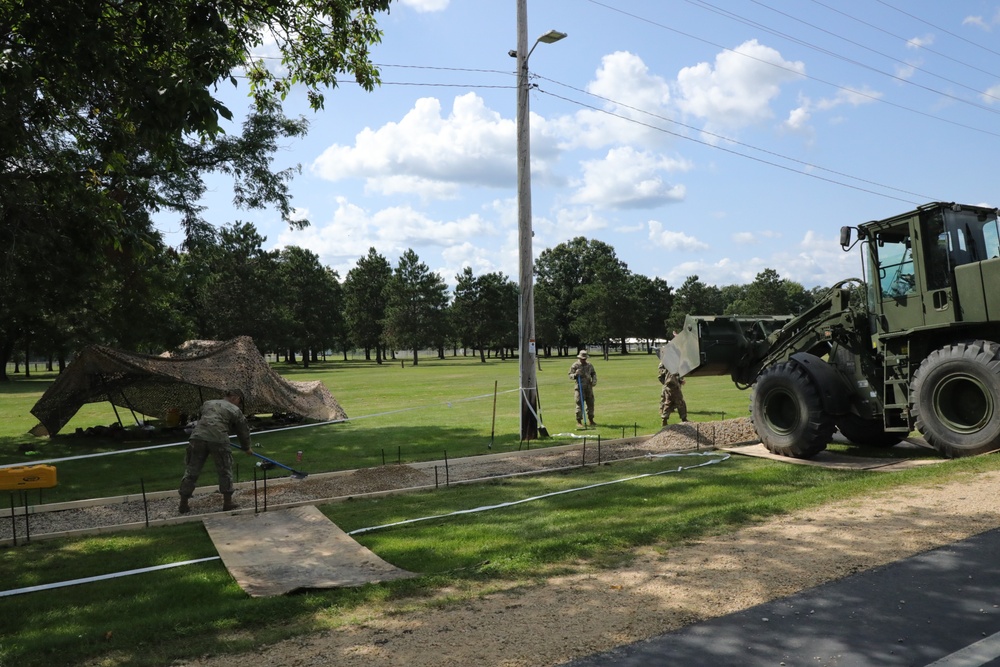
(178, 383)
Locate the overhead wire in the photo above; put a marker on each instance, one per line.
(852, 91)
(937, 27)
(734, 152)
(717, 136)
(844, 58)
(922, 47)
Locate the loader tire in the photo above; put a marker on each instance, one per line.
(867, 432)
(955, 398)
(788, 414)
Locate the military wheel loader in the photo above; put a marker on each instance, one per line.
(915, 345)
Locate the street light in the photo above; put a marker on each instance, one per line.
(526, 311)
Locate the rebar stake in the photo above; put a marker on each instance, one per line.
(13, 519)
(145, 505)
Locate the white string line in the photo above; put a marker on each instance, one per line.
(126, 573)
(259, 433)
(486, 508)
(102, 577)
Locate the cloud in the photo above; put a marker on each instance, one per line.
(747, 238)
(573, 222)
(798, 118)
(815, 261)
(425, 5)
(348, 234)
(920, 42)
(625, 88)
(992, 94)
(429, 154)
(738, 90)
(629, 179)
(670, 240)
(976, 21)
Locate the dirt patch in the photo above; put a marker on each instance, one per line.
(662, 590)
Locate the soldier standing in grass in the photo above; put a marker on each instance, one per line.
(671, 396)
(583, 376)
(211, 438)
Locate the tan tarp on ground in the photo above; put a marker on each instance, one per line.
(200, 370)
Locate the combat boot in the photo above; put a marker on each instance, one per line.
(227, 502)
(579, 424)
(664, 420)
(184, 508)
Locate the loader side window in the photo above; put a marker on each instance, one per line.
(937, 253)
(972, 236)
(991, 238)
(895, 266)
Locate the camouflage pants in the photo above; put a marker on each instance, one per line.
(670, 401)
(197, 453)
(588, 399)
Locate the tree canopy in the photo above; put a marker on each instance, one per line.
(112, 111)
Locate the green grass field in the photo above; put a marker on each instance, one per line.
(176, 614)
(397, 414)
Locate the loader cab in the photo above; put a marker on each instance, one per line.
(934, 266)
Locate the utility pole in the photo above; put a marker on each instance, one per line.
(526, 351)
(526, 310)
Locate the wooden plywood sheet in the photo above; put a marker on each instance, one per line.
(835, 460)
(277, 552)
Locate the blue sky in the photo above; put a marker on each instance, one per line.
(696, 137)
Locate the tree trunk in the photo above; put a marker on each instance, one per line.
(414, 356)
(5, 352)
(482, 355)
(305, 358)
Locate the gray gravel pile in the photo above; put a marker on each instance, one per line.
(318, 487)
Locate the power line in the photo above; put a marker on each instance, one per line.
(510, 73)
(733, 152)
(852, 91)
(721, 138)
(854, 62)
(937, 27)
(905, 39)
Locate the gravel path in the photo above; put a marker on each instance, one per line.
(162, 507)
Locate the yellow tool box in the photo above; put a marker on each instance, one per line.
(27, 477)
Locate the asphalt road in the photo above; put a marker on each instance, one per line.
(939, 608)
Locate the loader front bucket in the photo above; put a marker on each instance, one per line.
(717, 344)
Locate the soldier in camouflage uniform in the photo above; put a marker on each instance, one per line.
(671, 396)
(211, 438)
(588, 380)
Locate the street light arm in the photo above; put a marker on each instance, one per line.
(548, 38)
